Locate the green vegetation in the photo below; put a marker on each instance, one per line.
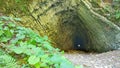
(96, 25)
(117, 10)
(19, 6)
(113, 11)
(22, 48)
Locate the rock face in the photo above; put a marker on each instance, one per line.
(70, 25)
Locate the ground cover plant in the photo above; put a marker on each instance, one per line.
(21, 47)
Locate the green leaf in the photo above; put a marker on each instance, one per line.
(62, 52)
(32, 41)
(1, 32)
(33, 60)
(45, 37)
(37, 65)
(11, 24)
(56, 58)
(79, 66)
(4, 39)
(47, 45)
(8, 33)
(12, 31)
(14, 41)
(7, 36)
(17, 19)
(66, 65)
(6, 28)
(45, 58)
(20, 28)
(39, 40)
(1, 22)
(20, 36)
(43, 65)
(1, 25)
(5, 18)
(18, 50)
(57, 66)
(117, 16)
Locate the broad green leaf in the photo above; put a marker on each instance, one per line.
(17, 19)
(1, 22)
(47, 45)
(12, 31)
(117, 16)
(37, 65)
(1, 27)
(30, 33)
(79, 66)
(41, 53)
(14, 41)
(18, 50)
(4, 39)
(20, 28)
(35, 50)
(33, 60)
(5, 18)
(11, 24)
(43, 65)
(45, 58)
(39, 40)
(2, 52)
(57, 49)
(66, 65)
(62, 52)
(6, 28)
(45, 37)
(1, 32)
(8, 33)
(32, 41)
(56, 58)
(27, 52)
(57, 66)
(20, 36)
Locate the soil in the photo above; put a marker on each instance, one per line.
(109, 59)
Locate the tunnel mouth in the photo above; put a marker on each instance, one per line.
(73, 33)
(80, 36)
(80, 41)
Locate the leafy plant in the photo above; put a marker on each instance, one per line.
(6, 61)
(36, 51)
(117, 14)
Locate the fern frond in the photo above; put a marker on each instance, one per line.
(7, 61)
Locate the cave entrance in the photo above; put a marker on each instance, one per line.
(80, 38)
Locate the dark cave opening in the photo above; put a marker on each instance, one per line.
(75, 32)
(80, 40)
(79, 43)
(80, 37)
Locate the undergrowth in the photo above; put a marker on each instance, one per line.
(21, 47)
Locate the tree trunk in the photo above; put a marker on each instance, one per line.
(71, 24)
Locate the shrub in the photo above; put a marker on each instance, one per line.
(28, 48)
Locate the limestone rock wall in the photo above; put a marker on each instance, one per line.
(69, 24)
